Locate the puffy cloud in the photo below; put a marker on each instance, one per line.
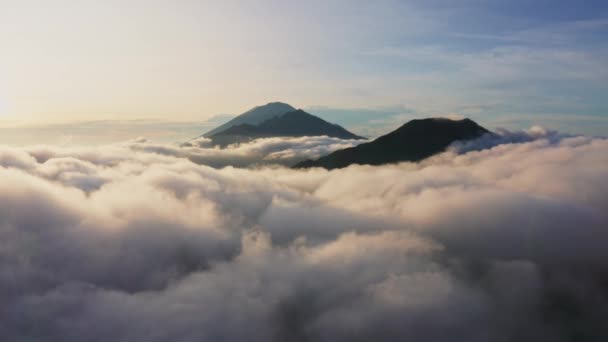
(505, 136)
(500, 240)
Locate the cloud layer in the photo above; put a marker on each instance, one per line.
(138, 243)
(264, 151)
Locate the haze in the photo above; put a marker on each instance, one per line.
(503, 63)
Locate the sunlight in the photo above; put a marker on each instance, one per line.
(3, 109)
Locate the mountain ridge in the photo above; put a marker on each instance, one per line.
(254, 116)
(274, 119)
(296, 123)
(413, 141)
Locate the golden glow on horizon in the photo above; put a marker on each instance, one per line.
(71, 60)
(88, 60)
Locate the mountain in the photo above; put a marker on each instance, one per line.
(414, 141)
(254, 116)
(295, 123)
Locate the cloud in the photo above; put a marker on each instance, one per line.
(279, 150)
(504, 136)
(102, 132)
(139, 243)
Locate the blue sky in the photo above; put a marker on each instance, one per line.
(366, 64)
(492, 59)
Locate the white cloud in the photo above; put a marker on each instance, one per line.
(138, 243)
(264, 151)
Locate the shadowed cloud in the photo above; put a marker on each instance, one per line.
(495, 240)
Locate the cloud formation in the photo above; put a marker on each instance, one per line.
(139, 243)
(264, 151)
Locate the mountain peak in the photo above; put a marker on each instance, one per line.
(281, 107)
(296, 123)
(440, 123)
(414, 141)
(278, 103)
(255, 116)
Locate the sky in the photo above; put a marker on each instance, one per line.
(367, 65)
(117, 225)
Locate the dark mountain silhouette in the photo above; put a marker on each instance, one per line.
(295, 123)
(254, 116)
(414, 141)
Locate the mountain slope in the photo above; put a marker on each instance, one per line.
(300, 123)
(254, 116)
(296, 123)
(414, 141)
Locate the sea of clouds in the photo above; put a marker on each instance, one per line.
(500, 239)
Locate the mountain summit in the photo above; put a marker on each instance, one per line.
(263, 122)
(254, 116)
(414, 141)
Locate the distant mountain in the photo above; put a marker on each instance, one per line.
(414, 141)
(254, 116)
(295, 123)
